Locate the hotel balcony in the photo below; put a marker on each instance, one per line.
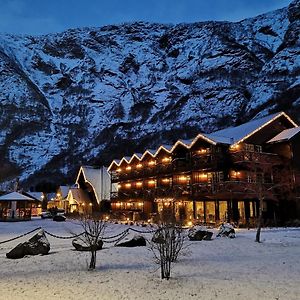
(249, 154)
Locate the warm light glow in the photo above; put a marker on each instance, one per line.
(118, 204)
(82, 204)
(165, 180)
(151, 163)
(107, 217)
(182, 178)
(180, 203)
(128, 204)
(166, 159)
(203, 175)
(140, 203)
(58, 195)
(235, 147)
(128, 185)
(139, 166)
(151, 182)
(42, 196)
(149, 220)
(190, 223)
(119, 170)
(139, 184)
(91, 204)
(201, 151)
(127, 219)
(128, 168)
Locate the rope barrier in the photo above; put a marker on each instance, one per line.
(64, 237)
(114, 236)
(140, 231)
(19, 236)
(124, 233)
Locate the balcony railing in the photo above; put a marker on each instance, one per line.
(231, 188)
(249, 157)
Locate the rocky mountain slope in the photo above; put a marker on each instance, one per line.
(93, 94)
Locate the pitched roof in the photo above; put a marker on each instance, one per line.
(79, 195)
(64, 189)
(98, 178)
(36, 195)
(229, 136)
(239, 133)
(15, 196)
(285, 135)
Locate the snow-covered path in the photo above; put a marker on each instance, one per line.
(218, 269)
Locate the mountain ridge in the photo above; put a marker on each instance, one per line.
(94, 94)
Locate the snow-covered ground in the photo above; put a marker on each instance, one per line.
(219, 269)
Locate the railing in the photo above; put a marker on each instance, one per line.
(229, 188)
(244, 156)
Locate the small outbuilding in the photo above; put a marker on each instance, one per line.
(15, 207)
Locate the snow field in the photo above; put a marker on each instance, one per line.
(219, 269)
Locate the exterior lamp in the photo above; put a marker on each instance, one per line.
(151, 163)
(139, 166)
(139, 184)
(166, 159)
(128, 168)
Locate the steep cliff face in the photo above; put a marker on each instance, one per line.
(93, 94)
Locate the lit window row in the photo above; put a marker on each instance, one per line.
(150, 163)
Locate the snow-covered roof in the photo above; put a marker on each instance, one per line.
(79, 195)
(229, 136)
(285, 135)
(36, 195)
(239, 133)
(98, 178)
(15, 196)
(64, 189)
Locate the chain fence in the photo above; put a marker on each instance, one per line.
(108, 239)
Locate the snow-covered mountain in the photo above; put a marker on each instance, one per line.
(93, 94)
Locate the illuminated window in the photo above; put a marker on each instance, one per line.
(139, 184)
(151, 163)
(166, 159)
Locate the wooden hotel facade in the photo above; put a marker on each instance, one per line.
(217, 177)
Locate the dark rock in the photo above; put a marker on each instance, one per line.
(80, 246)
(226, 230)
(17, 252)
(200, 235)
(137, 241)
(38, 244)
(59, 218)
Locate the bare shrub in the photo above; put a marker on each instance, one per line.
(94, 227)
(166, 244)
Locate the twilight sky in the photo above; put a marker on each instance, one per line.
(44, 16)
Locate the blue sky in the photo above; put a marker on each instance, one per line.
(44, 16)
